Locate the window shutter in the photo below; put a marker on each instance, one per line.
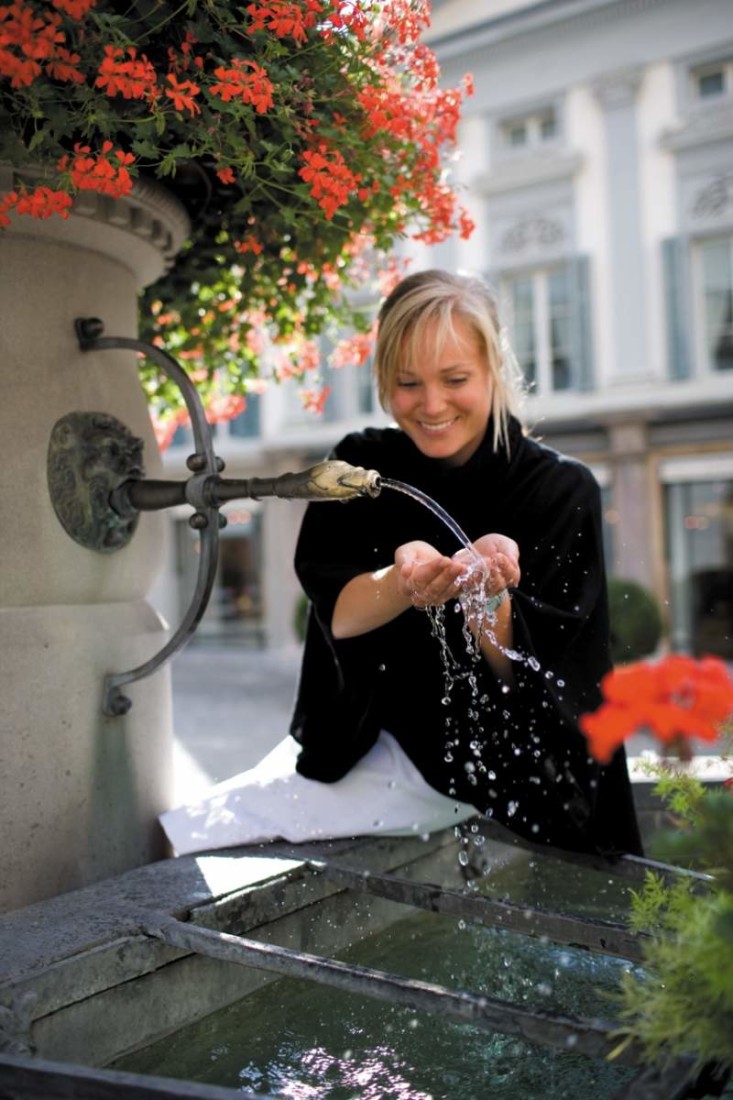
(581, 328)
(678, 305)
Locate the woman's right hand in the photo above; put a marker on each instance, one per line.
(425, 576)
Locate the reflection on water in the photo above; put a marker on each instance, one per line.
(301, 1041)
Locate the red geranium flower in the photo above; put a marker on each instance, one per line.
(675, 699)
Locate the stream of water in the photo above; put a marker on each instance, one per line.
(471, 601)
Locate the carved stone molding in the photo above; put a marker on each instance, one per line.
(536, 232)
(714, 199)
(144, 229)
(618, 89)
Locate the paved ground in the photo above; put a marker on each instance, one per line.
(232, 704)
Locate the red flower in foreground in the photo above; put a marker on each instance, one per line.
(675, 699)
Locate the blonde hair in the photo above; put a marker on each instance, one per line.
(439, 297)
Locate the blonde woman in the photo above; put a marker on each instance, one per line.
(440, 681)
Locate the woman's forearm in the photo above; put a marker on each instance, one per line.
(368, 601)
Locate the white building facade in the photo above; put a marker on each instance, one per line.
(597, 162)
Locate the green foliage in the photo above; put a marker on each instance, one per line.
(708, 844)
(636, 621)
(649, 903)
(683, 1002)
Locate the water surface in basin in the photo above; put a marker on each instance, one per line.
(301, 1041)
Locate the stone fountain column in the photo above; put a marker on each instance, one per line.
(80, 792)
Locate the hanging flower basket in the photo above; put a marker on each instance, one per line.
(304, 138)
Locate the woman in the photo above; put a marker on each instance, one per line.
(438, 679)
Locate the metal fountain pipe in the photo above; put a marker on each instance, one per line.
(332, 480)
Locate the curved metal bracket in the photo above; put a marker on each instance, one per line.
(97, 489)
(205, 519)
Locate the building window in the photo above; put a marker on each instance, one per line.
(244, 426)
(540, 321)
(715, 295)
(247, 424)
(529, 131)
(712, 80)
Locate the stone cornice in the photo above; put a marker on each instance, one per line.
(532, 19)
(143, 230)
(701, 127)
(527, 171)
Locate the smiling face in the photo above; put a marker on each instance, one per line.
(441, 397)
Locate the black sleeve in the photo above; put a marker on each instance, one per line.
(333, 718)
(334, 543)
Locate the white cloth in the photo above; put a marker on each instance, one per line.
(384, 793)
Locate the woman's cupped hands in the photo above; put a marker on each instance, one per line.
(428, 578)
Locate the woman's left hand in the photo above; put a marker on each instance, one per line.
(500, 556)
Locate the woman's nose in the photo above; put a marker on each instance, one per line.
(433, 399)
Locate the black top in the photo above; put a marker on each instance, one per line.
(516, 755)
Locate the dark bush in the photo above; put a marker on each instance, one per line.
(300, 616)
(636, 621)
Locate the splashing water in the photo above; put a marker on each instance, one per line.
(471, 601)
(471, 597)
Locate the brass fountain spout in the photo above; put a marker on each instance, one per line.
(332, 480)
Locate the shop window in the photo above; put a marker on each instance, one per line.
(235, 608)
(700, 563)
